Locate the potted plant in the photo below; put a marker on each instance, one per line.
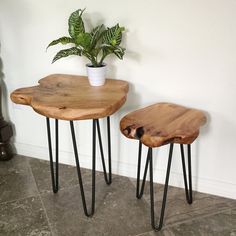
(95, 45)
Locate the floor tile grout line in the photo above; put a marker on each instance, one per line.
(18, 199)
(44, 209)
(143, 233)
(196, 210)
(48, 221)
(190, 219)
(184, 221)
(202, 216)
(60, 189)
(30, 195)
(194, 217)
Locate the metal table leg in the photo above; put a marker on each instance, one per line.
(107, 177)
(188, 190)
(149, 163)
(54, 176)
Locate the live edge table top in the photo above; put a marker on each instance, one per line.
(70, 97)
(163, 123)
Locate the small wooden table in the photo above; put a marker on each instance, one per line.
(155, 126)
(70, 97)
(163, 123)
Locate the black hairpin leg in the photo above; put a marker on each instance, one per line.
(108, 178)
(79, 171)
(159, 226)
(149, 161)
(54, 176)
(139, 193)
(188, 190)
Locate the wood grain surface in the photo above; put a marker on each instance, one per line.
(163, 123)
(70, 97)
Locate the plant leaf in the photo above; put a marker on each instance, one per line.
(119, 52)
(62, 40)
(76, 24)
(113, 36)
(66, 53)
(83, 40)
(96, 34)
(109, 49)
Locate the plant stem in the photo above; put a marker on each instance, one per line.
(91, 58)
(103, 57)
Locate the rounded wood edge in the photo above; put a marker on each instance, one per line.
(135, 131)
(20, 97)
(69, 114)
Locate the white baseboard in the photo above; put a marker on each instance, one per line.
(204, 185)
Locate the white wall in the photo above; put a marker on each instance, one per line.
(177, 51)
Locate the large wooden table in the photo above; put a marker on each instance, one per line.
(70, 97)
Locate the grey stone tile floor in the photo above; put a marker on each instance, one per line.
(28, 207)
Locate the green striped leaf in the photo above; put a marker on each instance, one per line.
(119, 52)
(96, 34)
(76, 24)
(62, 40)
(113, 36)
(66, 53)
(109, 49)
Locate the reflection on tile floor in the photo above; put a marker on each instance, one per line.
(29, 208)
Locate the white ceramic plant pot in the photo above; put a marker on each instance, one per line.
(96, 75)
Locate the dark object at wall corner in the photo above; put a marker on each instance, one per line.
(6, 132)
